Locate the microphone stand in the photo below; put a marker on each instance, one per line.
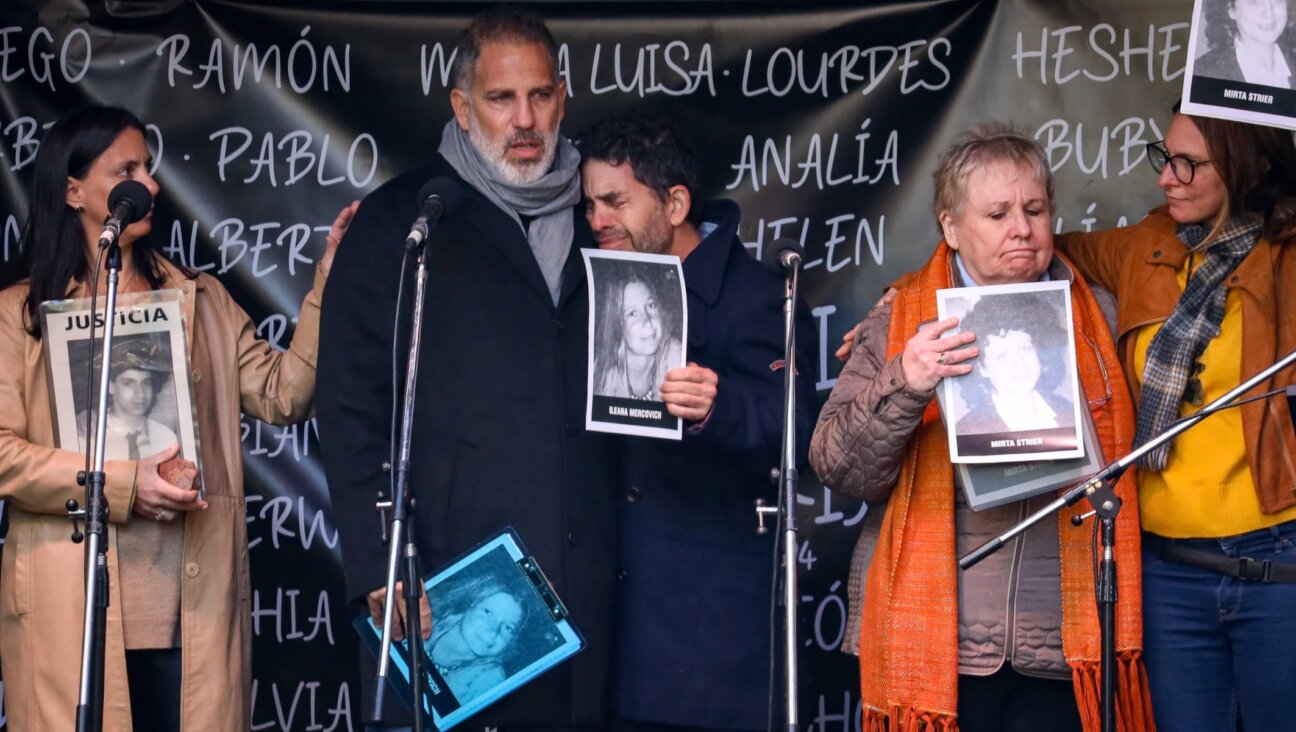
(89, 713)
(402, 505)
(1099, 491)
(786, 477)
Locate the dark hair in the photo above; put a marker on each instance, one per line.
(1034, 313)
(1258, 167)
(53, 241)
(654, 147)
(1221, 30)
(140, 352)
(505, 24)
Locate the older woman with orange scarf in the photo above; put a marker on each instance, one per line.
(1012, 643)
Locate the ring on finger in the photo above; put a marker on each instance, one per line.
(160, 515)
(941, 359)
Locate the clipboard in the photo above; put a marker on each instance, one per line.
(497, 624)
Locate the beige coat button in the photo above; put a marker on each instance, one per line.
(191, 569)
(197, 376)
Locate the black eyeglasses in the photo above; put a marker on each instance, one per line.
(1184, 168)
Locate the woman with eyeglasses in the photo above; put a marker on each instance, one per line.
(1206, 292)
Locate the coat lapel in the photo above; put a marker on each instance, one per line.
(188, 301)
(500, 232)
(704, 269)
(573, 276)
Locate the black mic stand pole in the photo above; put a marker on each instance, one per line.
(402, 529)
(1099, 490)
(786, 477)
(89, 713)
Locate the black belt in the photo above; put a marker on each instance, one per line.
(1244, 568)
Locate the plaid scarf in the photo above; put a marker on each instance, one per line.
(1184, 335)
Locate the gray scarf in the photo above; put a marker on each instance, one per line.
(548, 200)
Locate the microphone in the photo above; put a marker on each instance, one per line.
(435, 198)
(128, 202)
(784, 255)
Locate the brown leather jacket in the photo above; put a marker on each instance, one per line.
(1010, 605)
(1139, 264)
(41, 596)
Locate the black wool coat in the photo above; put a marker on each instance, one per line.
(498, 438)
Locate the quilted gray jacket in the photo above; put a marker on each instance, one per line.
(1010, 605)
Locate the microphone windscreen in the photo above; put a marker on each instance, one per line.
(446, 189)
(135, 194)
(774, 254)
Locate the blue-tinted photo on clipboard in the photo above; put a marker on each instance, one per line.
(496, 625)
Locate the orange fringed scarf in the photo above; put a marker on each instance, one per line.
(909, 635)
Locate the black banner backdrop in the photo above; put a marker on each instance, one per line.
(823, 120)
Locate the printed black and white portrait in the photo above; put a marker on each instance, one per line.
(637, 333)
(141, 415)
(497, 624)
(1021, 398)
(149, 405)
(488, 624)
(1242, 61)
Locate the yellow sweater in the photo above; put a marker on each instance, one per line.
(1206, 489)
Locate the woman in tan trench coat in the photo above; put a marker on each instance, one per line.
(178, 642)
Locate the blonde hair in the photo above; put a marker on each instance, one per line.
(983, 144)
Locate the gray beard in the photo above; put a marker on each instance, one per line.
(494, 152)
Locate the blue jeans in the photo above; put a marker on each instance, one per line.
(1221, 651)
